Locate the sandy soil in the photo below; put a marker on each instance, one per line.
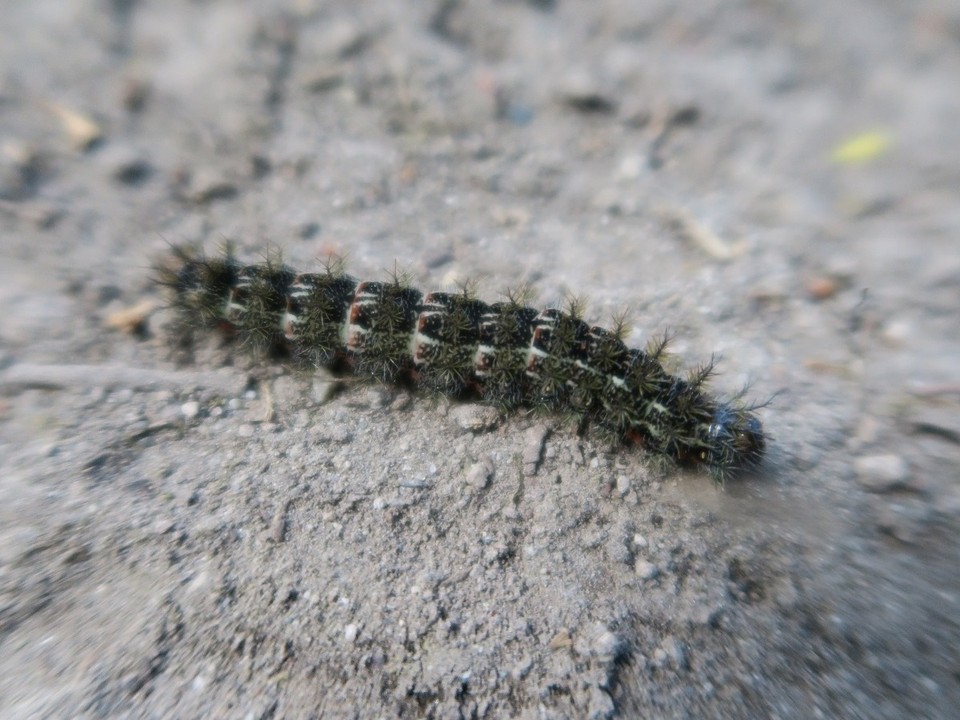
(774, 181)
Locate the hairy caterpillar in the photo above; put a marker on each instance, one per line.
(506, 353)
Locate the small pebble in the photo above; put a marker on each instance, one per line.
(475, 418)
(479, 474)
(583, 93)
(646, 570)
(897, 333)
(631, 167)
(126, 165)
(135, 94)
(533, 449)
(21, 165)
(207, 185)
(881, 473)
(401, 401)
(190, 409)
(278, 526)
(602, 643)
(323, 79)
(521, 669)
(83, 132)
(350, 632)
(342, 39)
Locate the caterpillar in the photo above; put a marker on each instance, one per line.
(506, 353)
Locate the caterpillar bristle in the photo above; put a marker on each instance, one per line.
(452, 343)
(620, 325)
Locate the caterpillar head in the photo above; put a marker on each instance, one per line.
(735, 441)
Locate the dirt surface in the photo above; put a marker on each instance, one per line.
(773, 181)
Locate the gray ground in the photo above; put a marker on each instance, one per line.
(224, 539)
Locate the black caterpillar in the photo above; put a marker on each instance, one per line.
(506, 353)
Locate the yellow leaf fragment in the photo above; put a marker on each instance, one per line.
(131, 319)
(862, 148)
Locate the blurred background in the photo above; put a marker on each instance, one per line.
(773, 181)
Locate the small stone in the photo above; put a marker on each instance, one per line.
(631, 167)
(646, 570)
(821, 287)
(623, 485)
(479, 474)
(207, 185)
(246, 430)
(337, 434)
(343, 39)
(83, 131)
(533, 449)
(897, 332)
(162, 526)
(21, 167)
(882, 473)
(278, 526)
(190, 409)
(350, 632)
(323, 79)
(583, 93)
(135, 93)
(522, 669)
(475, 418)
(401, 401)
(640, 542)
(598, 641)
(126, 164)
